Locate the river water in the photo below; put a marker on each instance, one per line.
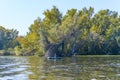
(73, 68)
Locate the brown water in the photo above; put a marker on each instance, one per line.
(73, 68)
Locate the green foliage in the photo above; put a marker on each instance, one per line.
(8, 38)
(82, 31)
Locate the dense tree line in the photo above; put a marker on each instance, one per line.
(76, 32)
(8, 40)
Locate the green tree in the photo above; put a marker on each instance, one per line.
(77, 32)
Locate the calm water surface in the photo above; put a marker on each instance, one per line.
(73, 68)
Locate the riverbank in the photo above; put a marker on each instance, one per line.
(18, 52)
(7, 52)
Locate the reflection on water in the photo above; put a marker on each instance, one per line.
(13, 68)
(73, 68)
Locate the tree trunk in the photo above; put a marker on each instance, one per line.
(53, 50)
